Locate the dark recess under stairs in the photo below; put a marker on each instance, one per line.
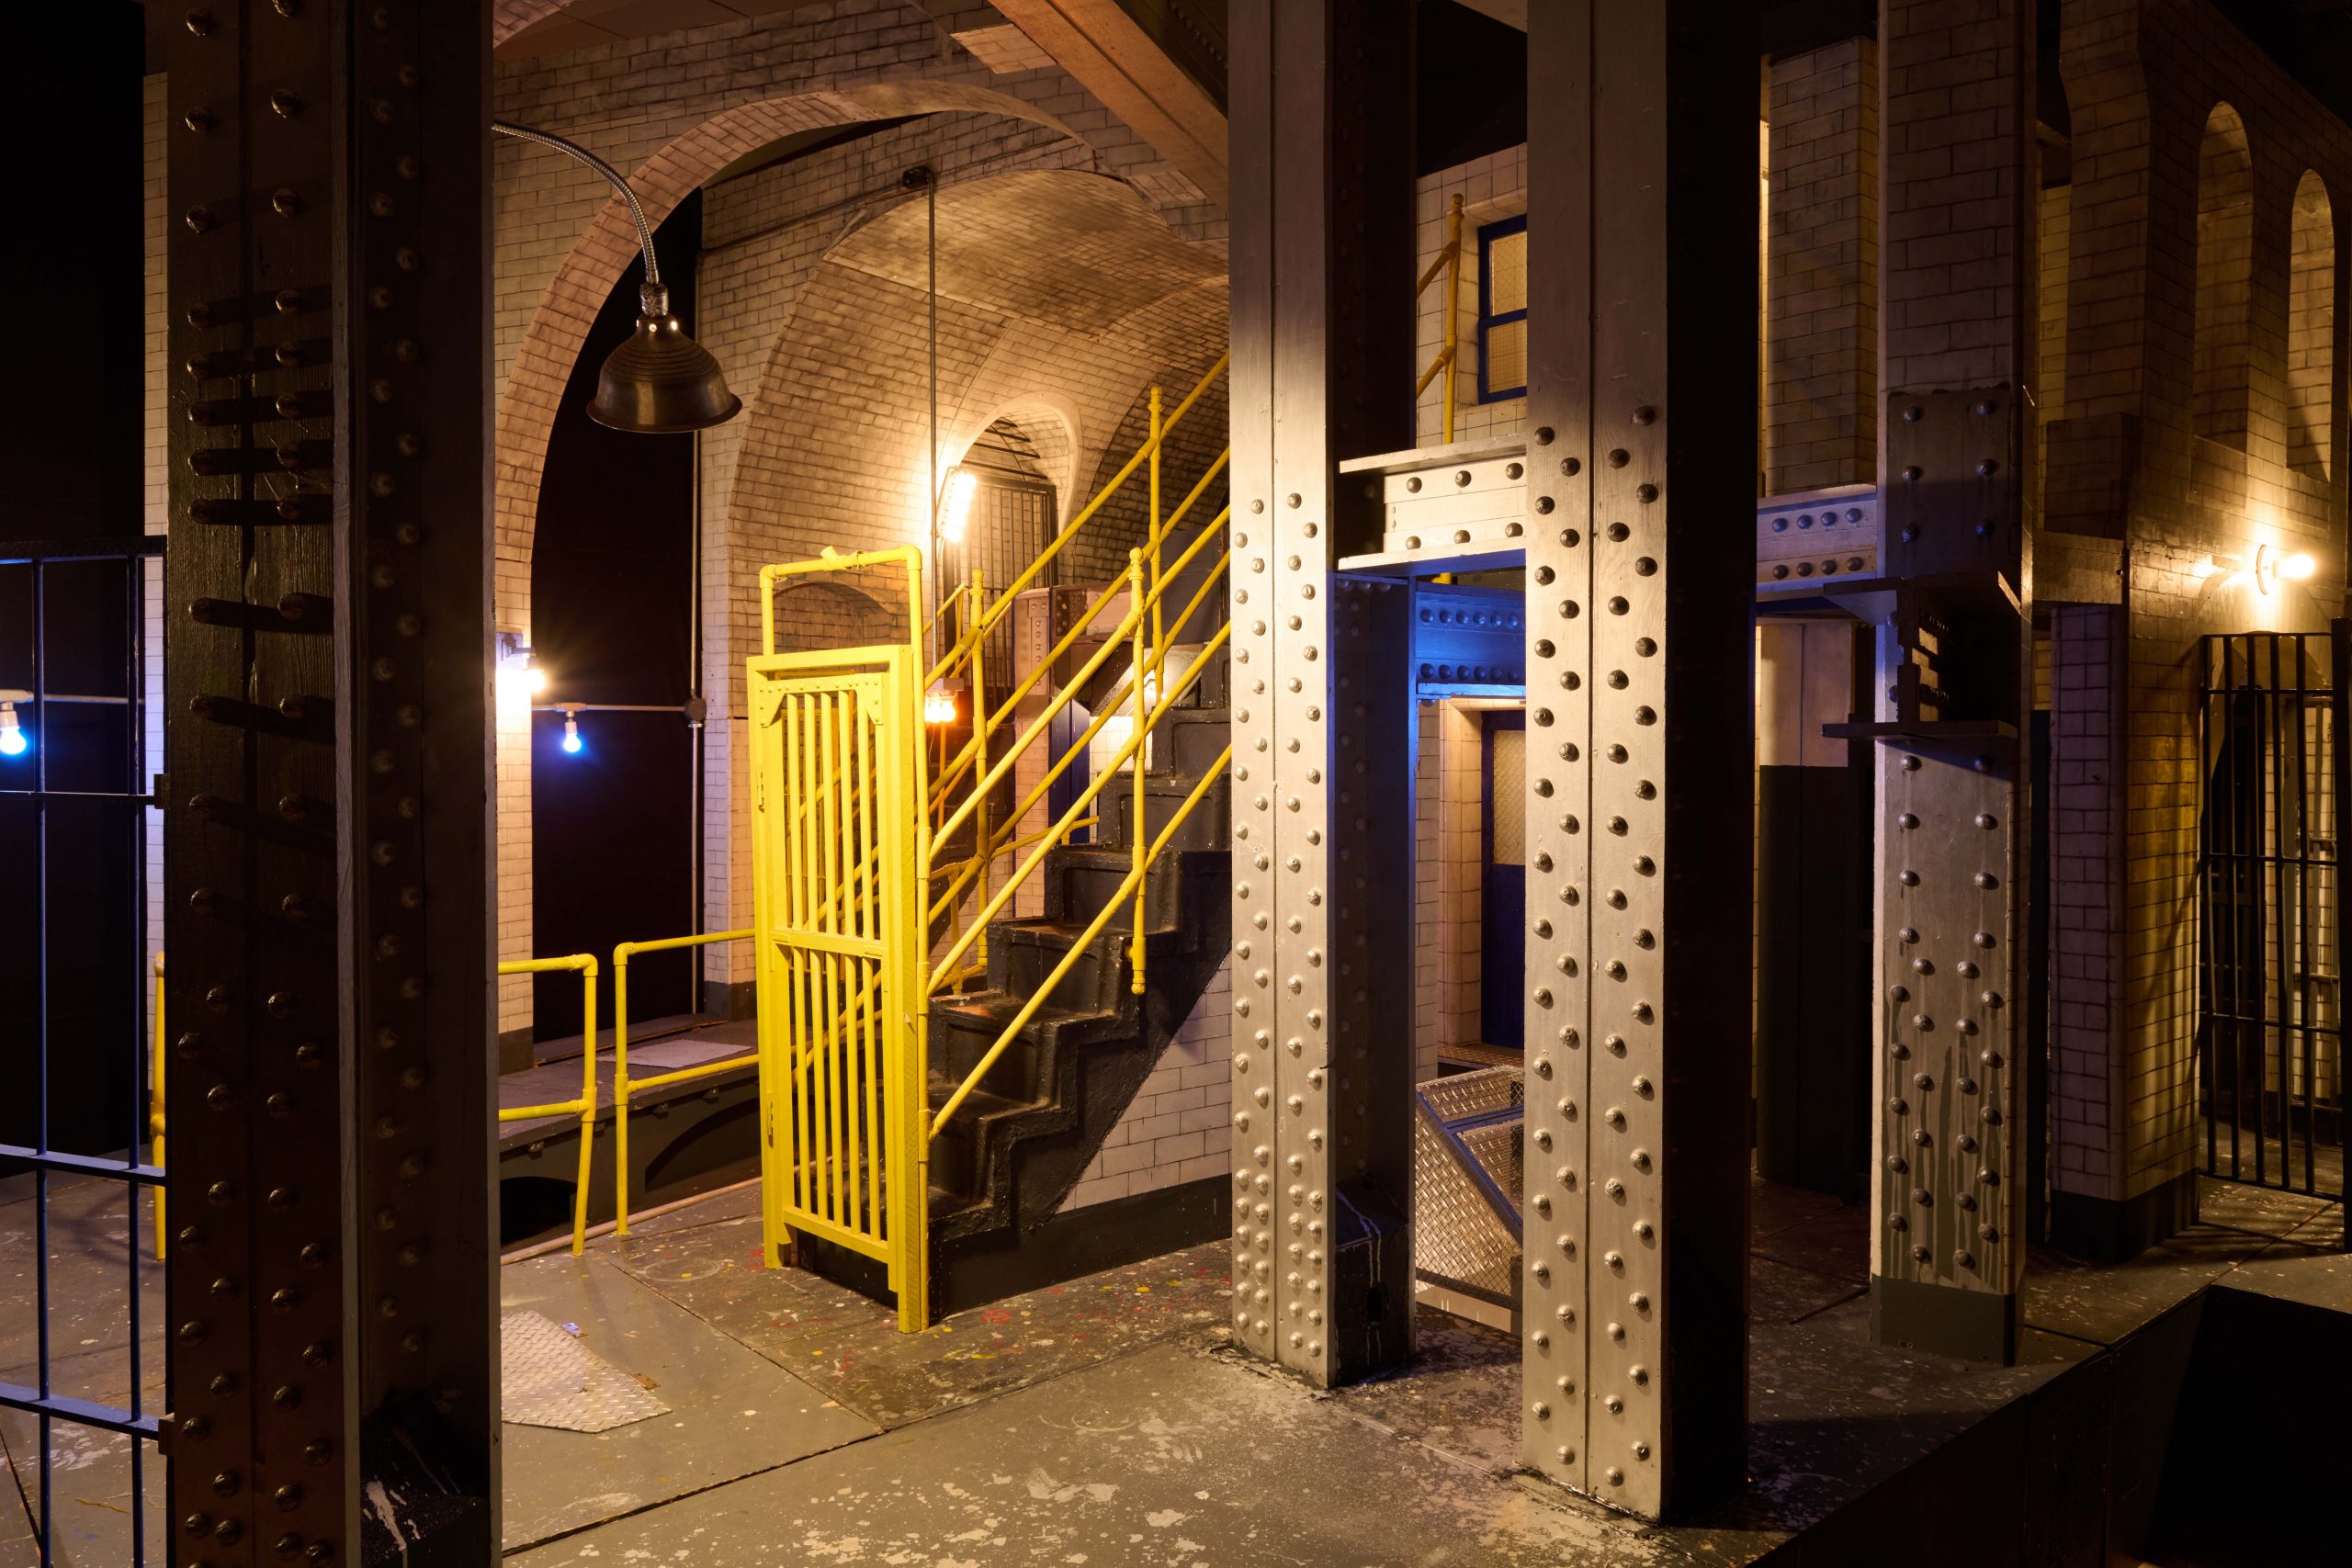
(1017, 1146)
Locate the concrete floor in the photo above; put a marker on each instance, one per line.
(1108, 1421)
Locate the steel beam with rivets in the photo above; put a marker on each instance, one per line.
(332, 1289)
(1639, 681)
(1322, 246)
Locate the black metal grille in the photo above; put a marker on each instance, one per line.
(74, 815)
(2270, 1006)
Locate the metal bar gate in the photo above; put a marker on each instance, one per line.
(76, 755)
(838, 792)
(2270, 1006)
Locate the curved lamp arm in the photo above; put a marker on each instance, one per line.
(644, 232)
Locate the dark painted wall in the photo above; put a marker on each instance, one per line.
(71, 443)
(615, 856)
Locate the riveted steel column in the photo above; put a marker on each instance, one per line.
(1641, 436)
(1955, 641)
(1322, 240)
(330, 1283)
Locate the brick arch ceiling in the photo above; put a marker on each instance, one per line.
(513, 16)
(596, 261)
(1062, 292)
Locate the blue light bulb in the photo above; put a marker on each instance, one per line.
(571, 737)
(13, 742)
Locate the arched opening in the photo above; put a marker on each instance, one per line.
(2311, 330)
(2224, 359)
(998, 511)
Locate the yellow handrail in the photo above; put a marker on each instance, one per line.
(1132, 882)
(1133, 746)
(1450, 261)
(585, 1106)
(1069, 531)
(622, 1085)
(1137, 828)
(1137, 606)
(156, 1105)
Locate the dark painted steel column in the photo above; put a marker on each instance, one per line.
(1322, 221)
(331, 1278)
(1641, 436)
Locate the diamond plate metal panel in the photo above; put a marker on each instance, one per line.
(548, 1378)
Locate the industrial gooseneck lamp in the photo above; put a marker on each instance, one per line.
(659, 381)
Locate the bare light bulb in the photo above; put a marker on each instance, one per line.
(12, 734)
(570, 736)
(955, 507)
(939, 705)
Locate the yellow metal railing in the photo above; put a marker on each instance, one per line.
(622, 1085)
(585, 1106)
(1449, 262)
(156, 1105)
(826, 992)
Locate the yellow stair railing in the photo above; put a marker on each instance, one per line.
(585, 1106)
(1447, 261)
(155, 1106)
(950, 896)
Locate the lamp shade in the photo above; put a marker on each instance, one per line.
(659, 381)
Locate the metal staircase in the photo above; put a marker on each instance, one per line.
(1041, 1111)
(937, 1069)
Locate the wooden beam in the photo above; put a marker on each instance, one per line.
(1115, 59)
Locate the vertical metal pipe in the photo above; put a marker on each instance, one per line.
(978, 601)
(620, 1088)
(1139, 832)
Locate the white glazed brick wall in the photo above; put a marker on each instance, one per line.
(1449, 854)
(1492, 188)
(1178, 1127)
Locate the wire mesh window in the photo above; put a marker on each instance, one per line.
(2270, 1036)
(1008, 521)
(1503, 310)
(81, 1352)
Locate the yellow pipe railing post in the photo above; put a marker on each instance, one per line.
(622, 1085)
(620, 1088)
(980, 757)
(1152, 533)
(1139, 832)
(585, 1106)
(155, 1106)
(1448, 358)
(1453, 309)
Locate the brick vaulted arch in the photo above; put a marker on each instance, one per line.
(585, 277)
(565, 240)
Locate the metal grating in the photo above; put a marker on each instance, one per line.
(74, 796)
(2270, 1016)
(1467, 1164)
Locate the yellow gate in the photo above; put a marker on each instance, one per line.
(837, 796)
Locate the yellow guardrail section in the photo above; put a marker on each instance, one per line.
(831, 896)
(1449, 262)
(624, 1085)
(585, 1106)
(156, 1105)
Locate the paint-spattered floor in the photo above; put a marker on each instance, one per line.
(1108, 1421)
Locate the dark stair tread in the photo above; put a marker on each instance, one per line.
(978, 1105)
(1046, 931)
(995, 1009)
